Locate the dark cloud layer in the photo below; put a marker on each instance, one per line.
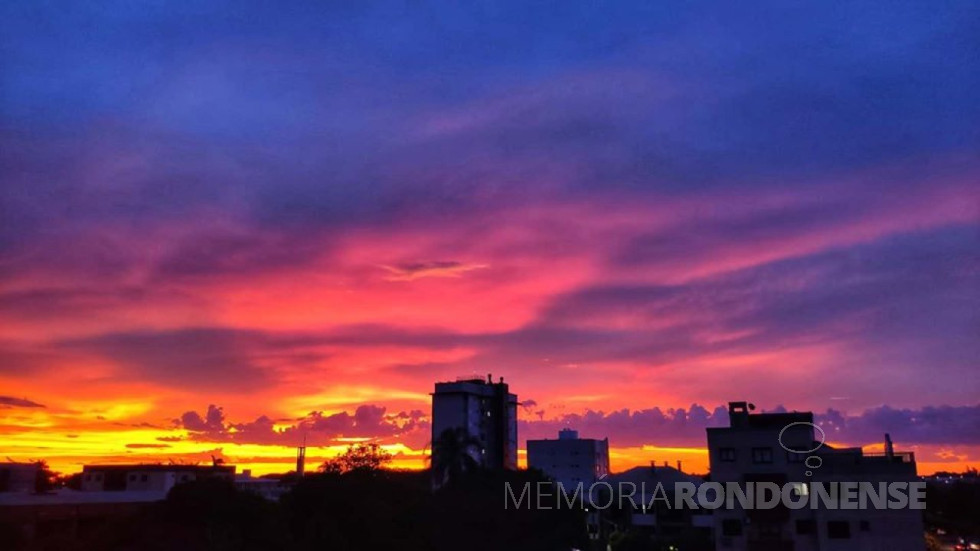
(206, 359)
(142, 446)
(10, 401)
(663, 427)
(949, 425)
(679, 427)
(316, 428)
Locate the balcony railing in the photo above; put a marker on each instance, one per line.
(897, 457)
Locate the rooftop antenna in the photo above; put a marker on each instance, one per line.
(301, 457)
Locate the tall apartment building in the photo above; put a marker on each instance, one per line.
(749, 450)
(488, 413)
(570, 460)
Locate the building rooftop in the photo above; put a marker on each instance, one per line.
(468, 385)
(159, 467)
(570, 436)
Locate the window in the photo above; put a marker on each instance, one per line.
(838, 530)
(731, 527)
(143, 478)
(132, 477)
(795, 457)
(864, 526)
(762, 455)
(726, 454)
(806, 526)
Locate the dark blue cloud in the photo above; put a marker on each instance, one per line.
(297, 109)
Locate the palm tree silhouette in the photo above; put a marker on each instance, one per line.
(451, 455)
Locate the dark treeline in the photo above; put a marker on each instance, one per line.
(356, 510)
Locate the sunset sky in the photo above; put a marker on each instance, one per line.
(228, 226)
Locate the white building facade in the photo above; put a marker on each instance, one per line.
(570, 460)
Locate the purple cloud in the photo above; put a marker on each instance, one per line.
(680, 427)
(10, 401)
(368, 421)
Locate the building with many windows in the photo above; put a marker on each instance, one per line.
(487, 411)
(784, 448)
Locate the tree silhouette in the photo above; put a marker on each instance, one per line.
(452, 455)
(44, 480)
(358, 458)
